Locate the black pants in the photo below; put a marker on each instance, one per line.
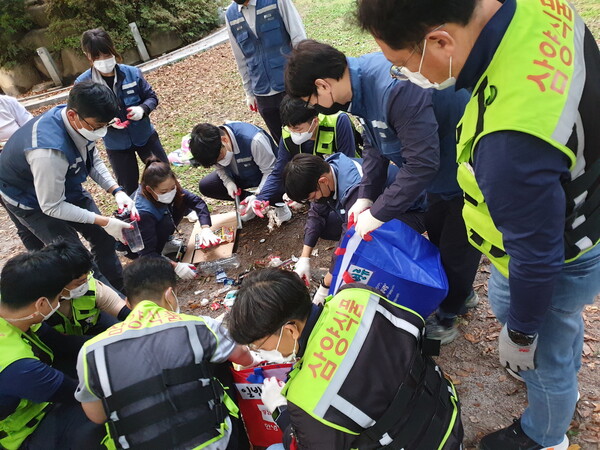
(268, 108)
(65, 427)
(446, 229)
(107, 267)
(29, 240)
(125, 165)
(212, 186)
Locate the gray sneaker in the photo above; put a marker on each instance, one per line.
(172, 246)
(472, 300)
(443, 330)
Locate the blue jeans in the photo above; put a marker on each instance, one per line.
(552, 386)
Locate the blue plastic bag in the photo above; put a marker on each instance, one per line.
(397, 261)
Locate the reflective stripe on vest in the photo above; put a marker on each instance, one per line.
(84, 313)
(17, 345)
(522, 91)
(326, 139)
(162, 397)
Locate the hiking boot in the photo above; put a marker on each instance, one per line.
(443, 330)
(472, 300)
(514, 438)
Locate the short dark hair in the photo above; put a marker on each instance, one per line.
(29, 276)
(301, 175)
(97, 42)
(294, 112)
(311, 60)
(404, 23)
(267, 300)
(147, 278)
(76, 259)
(205, 144)
(93, 100)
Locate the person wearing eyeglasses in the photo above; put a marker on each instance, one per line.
(413, 128)
(44, 165)
(132, 132)
(243, 156)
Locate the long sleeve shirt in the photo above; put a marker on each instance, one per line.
(12, 116)
(293, 25)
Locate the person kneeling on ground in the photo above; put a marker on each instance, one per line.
(347, 389)
(243, 156)
(162, 203)
(87, 306)
(173, 398)
(37, 407)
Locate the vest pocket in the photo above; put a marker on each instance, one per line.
(271, 31)
(246, 45)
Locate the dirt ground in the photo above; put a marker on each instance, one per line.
(206, 87)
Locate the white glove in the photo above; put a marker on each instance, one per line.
(135, 113)
(258, 207)
(320, 295)
(271, 393)
(251, 102)
(115, 228)
(124, 201)
(367, 223)
(359, 206)
(208, 238)
(185, 271)
(231, 187)
(514, 356)
(302, 268)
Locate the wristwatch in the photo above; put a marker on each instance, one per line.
(521, 339)
(322, 282)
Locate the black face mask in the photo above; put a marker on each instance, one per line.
(324, 200)
(240, 2)
(335, 107)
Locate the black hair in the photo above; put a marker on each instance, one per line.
(404, 23)
(307, 62)
(155, 172)
(294, 112)
(147, 278)
(29, 276)
(205, 144)
(301, 175)
(93, 100)
(266, 301)
(76, 259)
(97, 42)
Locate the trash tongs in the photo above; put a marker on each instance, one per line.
(238, 216)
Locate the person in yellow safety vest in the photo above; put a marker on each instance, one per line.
(37, 407)
(361, 380)
(529, 165)
(154, 379)
(87, 306)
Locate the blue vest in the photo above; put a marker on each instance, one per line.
(249, 174)
(347, 176)
(128, 94)
(43, 132)
(264, 51)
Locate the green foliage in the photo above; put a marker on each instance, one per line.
(189, 19)
(14, 23)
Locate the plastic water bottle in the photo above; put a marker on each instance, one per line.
(211, 267)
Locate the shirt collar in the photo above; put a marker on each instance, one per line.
(334, 184)
(485, 46)
(250, 3)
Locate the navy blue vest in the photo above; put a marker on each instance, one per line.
(43, 132)
(144, 205)
(347, 176)
(264, 52)
(128, 94)
(249, 174)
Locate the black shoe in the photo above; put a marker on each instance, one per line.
(514, 438)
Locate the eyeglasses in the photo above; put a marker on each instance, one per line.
(255, 348)
(399, 71)
(91, 126)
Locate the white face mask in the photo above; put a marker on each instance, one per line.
(226, 159)
(301, 138)
(420, 80)
(53, 310)
(177, 310)
(93, 135)
(166, 198)
(105, 65)
(77, 292)
(275, 356)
